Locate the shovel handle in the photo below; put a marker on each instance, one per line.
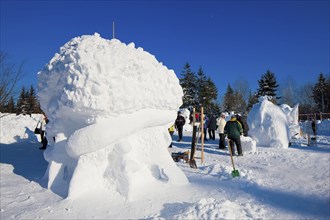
(231, 156)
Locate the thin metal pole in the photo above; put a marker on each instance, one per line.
(113, 30)
(202, 141)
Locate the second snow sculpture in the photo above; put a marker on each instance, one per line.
(268, 124)
(109, 106)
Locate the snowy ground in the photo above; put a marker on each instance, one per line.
(291, 183)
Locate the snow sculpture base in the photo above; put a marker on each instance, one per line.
(121, 168)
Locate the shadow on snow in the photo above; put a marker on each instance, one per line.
(26, 158)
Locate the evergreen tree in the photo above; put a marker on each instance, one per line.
(268, 86)
(202, 87)
(320, 94)
(22, 103)
(327, 94)
(211, 96)
(10, 107)
(32, 101)
(229, 99)
(198, 90)
(188, 84)
(253, 99)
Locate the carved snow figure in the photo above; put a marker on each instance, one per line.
(109, 105)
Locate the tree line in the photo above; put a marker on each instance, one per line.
(27, 103)
(200, 90)
(10, 74)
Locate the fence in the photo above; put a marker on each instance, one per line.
(313, 116)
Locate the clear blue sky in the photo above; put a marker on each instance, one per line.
(231, 40)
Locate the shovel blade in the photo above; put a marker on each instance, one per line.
(193, 164)
(235, 173)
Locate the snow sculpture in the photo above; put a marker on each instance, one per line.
(109, 106)
(292, 117)
(268, 124)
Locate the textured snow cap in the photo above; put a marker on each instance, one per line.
(99, 78)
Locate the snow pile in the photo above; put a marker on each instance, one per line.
(248, 144)
(18, 128)
(109, 106)
(268, 124)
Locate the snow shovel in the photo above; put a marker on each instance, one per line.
(235, 172)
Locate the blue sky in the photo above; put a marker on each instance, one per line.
(230, 40)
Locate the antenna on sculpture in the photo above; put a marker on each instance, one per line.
(113, 30)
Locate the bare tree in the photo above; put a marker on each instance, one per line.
(242, 86)
(10, 74)
(287, 91)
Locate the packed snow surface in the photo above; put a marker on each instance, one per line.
(109, 106)
(274, 183)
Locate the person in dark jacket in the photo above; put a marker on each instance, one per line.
(244, 124)
(233, 129)
(179, 123)
(212, 126)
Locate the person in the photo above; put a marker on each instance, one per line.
(206, 121)
(191, 118)
(43, 121)
(221, 123)
(179, 123)
(212, 126)
(171, 131)
(314, 126)
(233, 129)
(244, 124)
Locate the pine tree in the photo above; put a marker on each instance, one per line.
(229, 99)
(207, 92)
(201, 87)
(198, 90)
(320, 93)
(10, 106)
(212, 94)
(188, 84)
(22, 103)
(268, 86)
(32, 101)
(253, 99)
(327, 94)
